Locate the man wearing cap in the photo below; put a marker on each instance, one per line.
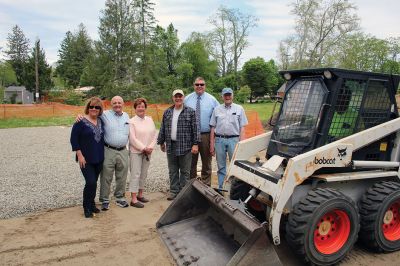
(227, 128)
(204, 104)
(179, 135)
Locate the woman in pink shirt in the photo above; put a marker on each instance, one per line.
(142, 139)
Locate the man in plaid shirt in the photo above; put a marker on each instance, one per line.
(180, 133)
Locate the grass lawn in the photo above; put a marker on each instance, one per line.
(264, 110)
(36, 122)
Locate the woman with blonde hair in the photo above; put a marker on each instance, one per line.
(87, 140)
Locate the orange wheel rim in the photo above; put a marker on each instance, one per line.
(332, 232)
(391, 222)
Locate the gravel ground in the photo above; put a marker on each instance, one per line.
(38, 171)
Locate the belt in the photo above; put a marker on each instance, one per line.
(114, 148)
(226, 136)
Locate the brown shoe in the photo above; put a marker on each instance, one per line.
(137, 204)
(143, 199)
(171, 197)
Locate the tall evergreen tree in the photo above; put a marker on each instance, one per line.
(45, 82)
(117, 45)
(145, 25)
(18, 52)
(75, 52)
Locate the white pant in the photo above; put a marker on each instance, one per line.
(139, 167)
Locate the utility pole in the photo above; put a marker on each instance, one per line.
(37, 71)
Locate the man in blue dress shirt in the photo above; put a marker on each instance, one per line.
(116, 155)
(203, 103)
(227, 129)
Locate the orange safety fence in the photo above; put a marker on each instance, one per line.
(61, 110)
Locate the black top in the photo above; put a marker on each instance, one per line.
(89, 138)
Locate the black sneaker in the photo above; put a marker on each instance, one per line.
(88, 213)
(95, 210)
(122, 203)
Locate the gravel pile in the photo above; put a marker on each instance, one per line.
(38, 171)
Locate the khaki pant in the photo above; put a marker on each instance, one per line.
(114, 162)
(206, 158)
(139, 167)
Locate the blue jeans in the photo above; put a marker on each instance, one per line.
(91, 174)
(179, 170)
(223, 146)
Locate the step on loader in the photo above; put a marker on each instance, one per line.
(330, 177)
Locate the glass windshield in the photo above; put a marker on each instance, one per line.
(300, 111)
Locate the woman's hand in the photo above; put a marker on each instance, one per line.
(162, 146)
(148, 150)
(81, 159)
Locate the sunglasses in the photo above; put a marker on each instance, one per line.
(199, 84)
(94, 107)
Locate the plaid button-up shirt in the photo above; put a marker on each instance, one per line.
(187, 135)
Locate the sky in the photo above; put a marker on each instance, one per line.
(49, 20)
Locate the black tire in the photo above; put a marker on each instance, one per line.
(240, 191)
(374, 207)
(302, 232)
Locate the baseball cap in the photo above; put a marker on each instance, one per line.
(177, 91)
(227, 90)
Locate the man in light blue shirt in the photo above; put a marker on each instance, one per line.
(227, 129)
(116, 155)
(203, 103)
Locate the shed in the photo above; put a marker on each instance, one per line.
(21, 94)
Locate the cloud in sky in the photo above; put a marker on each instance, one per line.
(49, 20)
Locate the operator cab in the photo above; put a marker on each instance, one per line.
(323, 105)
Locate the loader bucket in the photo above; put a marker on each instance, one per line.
(201, 227)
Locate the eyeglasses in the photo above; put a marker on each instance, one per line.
(199, 84)
(94, 107)
(178, 95)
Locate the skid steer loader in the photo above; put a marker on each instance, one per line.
(331, 176)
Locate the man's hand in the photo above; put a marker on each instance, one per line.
(78, 118)
(212, 150)
(195, 149)
(162, 146)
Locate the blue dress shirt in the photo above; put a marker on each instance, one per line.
(116, 128)
(207, 105)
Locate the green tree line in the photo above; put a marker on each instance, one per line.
(134, 56)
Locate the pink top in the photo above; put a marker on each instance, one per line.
(142, 134)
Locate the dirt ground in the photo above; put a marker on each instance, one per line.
(64, 237)
(116, 237)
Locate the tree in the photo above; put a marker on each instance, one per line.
(18, 52)
(167, 42)
(194, 52)
(45, 82)
(367, 53)
(74, 54)
(321, 26)
(116, 51)
(262, 77)
(229, 37)
(7, 75)
(145, 21)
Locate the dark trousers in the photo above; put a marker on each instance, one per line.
(206, 158)
(179, 170)
(91, 174)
